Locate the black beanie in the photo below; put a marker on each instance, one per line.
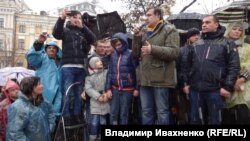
(192, 31)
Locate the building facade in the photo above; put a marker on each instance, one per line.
(8, 11)
(20, 27)
(91, 7)
(28, 27)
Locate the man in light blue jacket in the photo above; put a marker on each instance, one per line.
(46, 60)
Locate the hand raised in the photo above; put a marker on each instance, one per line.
(65, 13)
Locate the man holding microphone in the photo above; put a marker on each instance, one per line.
(157, 46)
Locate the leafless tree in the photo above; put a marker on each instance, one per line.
(137, 8)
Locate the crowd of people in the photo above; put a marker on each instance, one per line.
(203, 82)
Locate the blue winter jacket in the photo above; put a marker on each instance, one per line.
(27, 122)
(214, 63)
(49, 74)
(122, 65)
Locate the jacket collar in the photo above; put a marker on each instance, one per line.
(213, 35)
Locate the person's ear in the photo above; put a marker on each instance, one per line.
(217, 25)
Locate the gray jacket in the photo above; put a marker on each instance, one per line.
(94, 86)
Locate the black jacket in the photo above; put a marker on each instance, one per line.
(214, 63)
(182, 60)
(75, 42)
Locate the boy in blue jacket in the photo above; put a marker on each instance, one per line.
(121, 80)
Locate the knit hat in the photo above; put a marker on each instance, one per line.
(192, 31)
(92, 62)
(11, 84)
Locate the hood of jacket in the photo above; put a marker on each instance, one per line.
(59, 50)
(10, 84)
(124, 39)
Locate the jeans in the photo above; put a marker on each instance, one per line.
(155, 104)
(72, 99)
(96, 121)
(135, 111)
(119, 107)
(205, 106)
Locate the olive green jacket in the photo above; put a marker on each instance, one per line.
(158, 69)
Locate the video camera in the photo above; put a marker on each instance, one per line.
(88, 20)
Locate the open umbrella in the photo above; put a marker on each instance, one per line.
(104, 23)
(236, 11)
(185, 21)
(17, 73)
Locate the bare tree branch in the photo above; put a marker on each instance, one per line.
(186, 7)
(138, 8)
(143, 7)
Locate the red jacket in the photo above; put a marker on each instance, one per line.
(3, 117)
(4, 106)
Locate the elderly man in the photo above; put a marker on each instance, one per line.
(46, 60)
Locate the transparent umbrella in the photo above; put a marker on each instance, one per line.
(17, 73)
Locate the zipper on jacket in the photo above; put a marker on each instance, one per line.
(220, 78)
(129, 78)
(118, 71)
(208, 52)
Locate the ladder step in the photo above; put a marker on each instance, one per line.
(75, 126)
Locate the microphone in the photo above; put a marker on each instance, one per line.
(139, 28)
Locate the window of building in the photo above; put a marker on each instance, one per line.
(1, 22)
(21, 28)
(21, 43)
(1, 44)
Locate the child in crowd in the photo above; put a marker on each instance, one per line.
(94, 87)
(121, 80)
(10, 92)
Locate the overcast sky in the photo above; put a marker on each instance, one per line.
(47, 5)
(201, 6)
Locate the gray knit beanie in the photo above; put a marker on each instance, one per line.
(92, 62)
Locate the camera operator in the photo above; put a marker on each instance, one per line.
(76, 39)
